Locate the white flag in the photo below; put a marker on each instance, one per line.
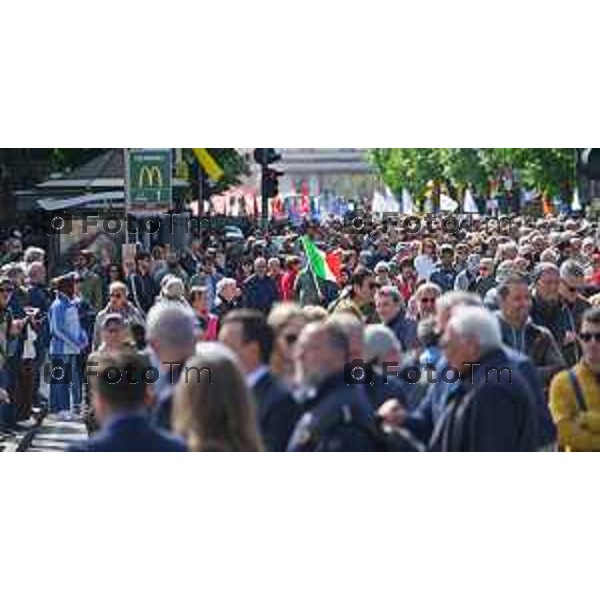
(378, 207)
(391, 202)
(408, 206)
(576, 206)
(447, 204)
(470, 204)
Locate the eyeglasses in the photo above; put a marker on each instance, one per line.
(5, 290)
(428, 300)
(118, 295)
(588, 337)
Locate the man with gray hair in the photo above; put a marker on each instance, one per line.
(574, 305)
(490, 409)
(171, 334)
(384, 353)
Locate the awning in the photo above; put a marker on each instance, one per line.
(93, 200)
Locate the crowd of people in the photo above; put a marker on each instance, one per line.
(484, 338)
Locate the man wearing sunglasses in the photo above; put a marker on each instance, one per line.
(574, 305)
(359, 297)
(575, 394)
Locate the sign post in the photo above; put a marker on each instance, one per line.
(148, 182)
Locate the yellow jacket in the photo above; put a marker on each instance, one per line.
(577, 431)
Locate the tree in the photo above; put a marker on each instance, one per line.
(234, 164)
(550, 171)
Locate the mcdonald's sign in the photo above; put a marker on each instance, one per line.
(150, 178)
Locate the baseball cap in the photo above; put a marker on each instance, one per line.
(114, 319)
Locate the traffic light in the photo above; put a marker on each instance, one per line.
(589, 163)
(271, 182)
(266, 156)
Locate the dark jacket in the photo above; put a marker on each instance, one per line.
(491, 413)
(277, 412)
(405, 330)
(260, 293)
(131, 433)
(422, 422)
(444, 277)
(339, 419)
(537, 343)
(385, 387)
(223, 307)
(143, 290)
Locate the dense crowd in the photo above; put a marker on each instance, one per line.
(483, 338)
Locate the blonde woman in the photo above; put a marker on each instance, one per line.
(287, 322)
(213, 408)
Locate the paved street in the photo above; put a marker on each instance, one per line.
(52, 436)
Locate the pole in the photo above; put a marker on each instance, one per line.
(126, 185)
(200, 191)
(265, 200)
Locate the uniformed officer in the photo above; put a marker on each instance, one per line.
(338, 418)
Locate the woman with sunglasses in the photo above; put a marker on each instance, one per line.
(118, 303)
(287, 322)
(424, 302)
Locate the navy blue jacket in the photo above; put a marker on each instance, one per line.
(490, 414)
(260, 293)
(339, 419)
(422, 422)
(277, 412)
(405, 330)
(131, 433)
(444, 277)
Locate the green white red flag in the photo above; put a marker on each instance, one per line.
(327, 266)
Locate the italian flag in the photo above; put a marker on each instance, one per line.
(324, 266)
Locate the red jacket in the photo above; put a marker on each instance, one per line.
(288, 282)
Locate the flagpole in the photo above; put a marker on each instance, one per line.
(316, 281)
(314, 276)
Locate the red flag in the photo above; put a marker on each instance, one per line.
(305, 205)
(334, 262)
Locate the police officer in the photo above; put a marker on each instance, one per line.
(338, 416)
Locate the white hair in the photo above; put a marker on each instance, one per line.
(33, 254)
(173, 325)
(479, 324)
(173, 288)
(223, 283)
(451, 300)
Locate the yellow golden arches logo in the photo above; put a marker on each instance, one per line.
(152, 176)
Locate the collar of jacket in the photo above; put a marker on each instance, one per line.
(495, 359)
(332, 382)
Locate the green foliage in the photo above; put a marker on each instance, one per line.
(234, 164)
(547, 170)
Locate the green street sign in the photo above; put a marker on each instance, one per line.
(149, 174)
